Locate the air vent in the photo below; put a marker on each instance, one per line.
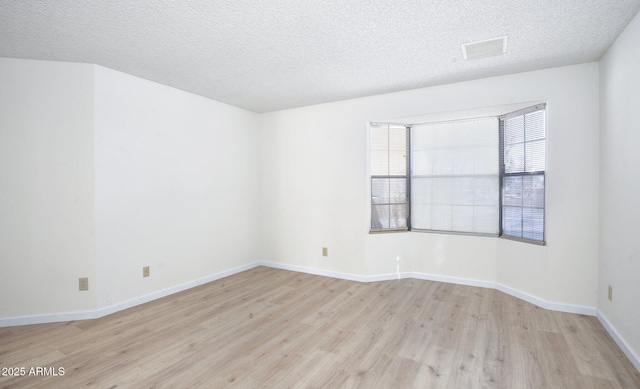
(486, 48)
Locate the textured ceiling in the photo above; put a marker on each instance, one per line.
(271, 55)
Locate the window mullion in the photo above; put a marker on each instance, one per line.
(408, 178)
(501, 172)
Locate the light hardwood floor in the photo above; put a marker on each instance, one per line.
(277, 329)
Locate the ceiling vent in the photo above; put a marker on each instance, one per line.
(486, 48)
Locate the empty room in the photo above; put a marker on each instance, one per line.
(319, 194)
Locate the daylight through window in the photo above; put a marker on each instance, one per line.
(479, 176)
(523, 175)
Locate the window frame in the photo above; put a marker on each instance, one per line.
(406, 176)
(501, 176)
(504, 174)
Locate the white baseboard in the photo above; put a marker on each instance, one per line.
(94, 314)
(550, 305)
(570, 308)
(453, 280)
(48, 318)
(317, 272)
(622, 343)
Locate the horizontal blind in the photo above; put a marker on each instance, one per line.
(455, 176)
(523, 182)
(388, 153)
(524, 143)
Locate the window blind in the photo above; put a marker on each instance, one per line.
(455, 176)
(389, 195)
(480, 176)
(523, 180)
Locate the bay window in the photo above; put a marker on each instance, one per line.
(483, 176)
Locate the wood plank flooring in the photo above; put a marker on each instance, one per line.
(269, 328)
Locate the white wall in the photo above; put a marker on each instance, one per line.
(313, 182)
(192, 187)
(103, 173)
(176, 186)
(566, 269)
(314, 170)
(620, 184)
(46, 187)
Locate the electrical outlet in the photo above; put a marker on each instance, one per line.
(325, 252)
(145, 271)
(83, 283)
(610, 293)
